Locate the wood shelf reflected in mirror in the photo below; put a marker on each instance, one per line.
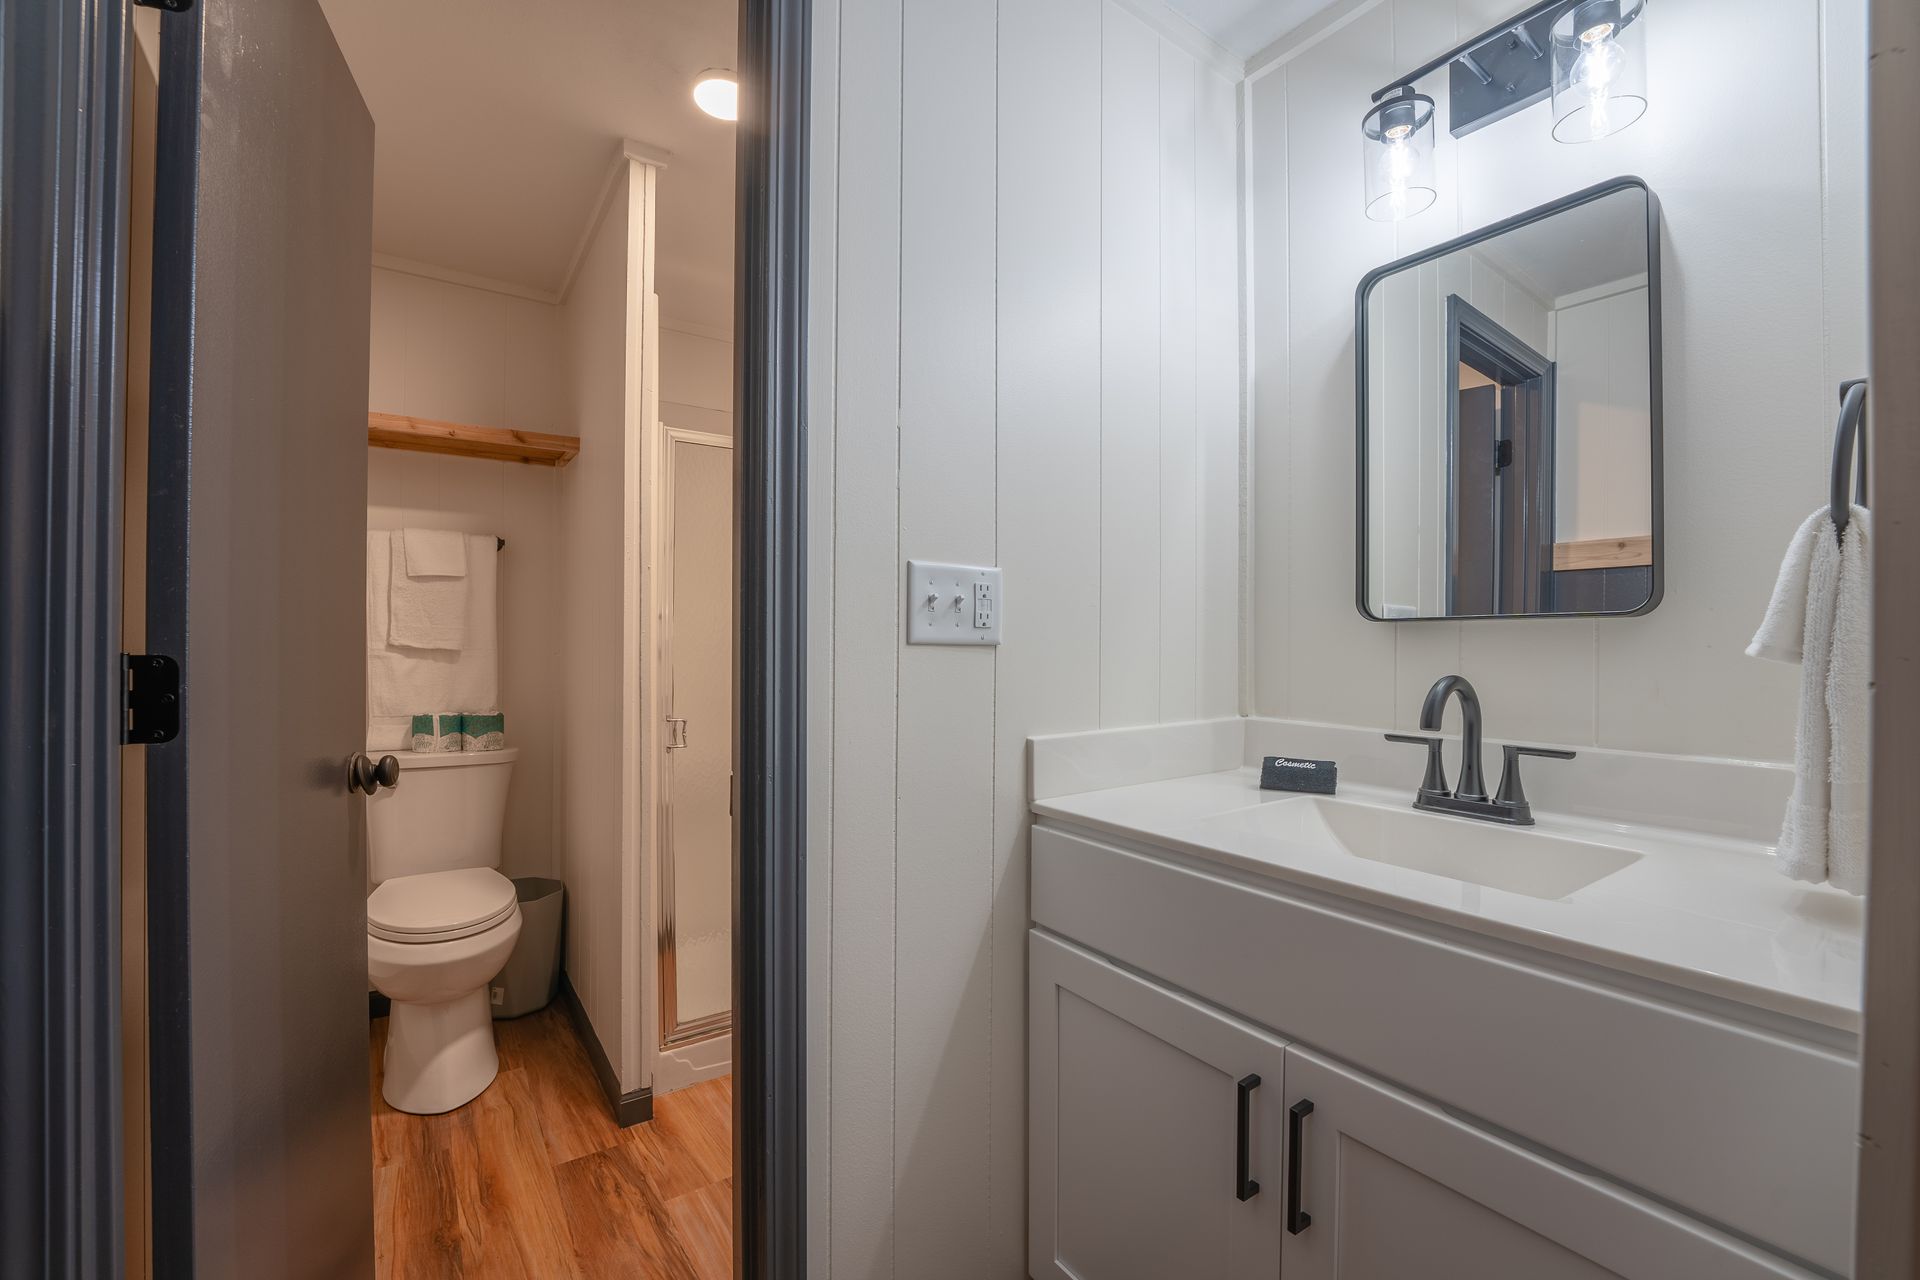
(1603, 553)
(424, 435)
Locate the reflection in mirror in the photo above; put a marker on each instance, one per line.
(1509, 412)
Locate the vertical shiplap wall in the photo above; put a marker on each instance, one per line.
(1764, 278)
(462, 354)
(1027, 340)
(592, 505)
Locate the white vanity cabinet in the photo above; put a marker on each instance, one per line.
(1136, 1173)
(1479, 1108)
(1138, 1097)
(1391, 1187)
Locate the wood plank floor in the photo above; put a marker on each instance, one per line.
(533, 1178)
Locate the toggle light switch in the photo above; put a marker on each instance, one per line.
(952, 603)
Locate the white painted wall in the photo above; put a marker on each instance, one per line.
(604, 786)
(1602, 446)
(696, 380)
(1764, 314)
(478, 356)
(1024, 351)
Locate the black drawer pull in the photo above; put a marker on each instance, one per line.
(1244, 1187)
(1298, 1219)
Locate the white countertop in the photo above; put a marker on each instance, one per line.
(1704, 913)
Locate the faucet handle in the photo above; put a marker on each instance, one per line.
(1511, 792)
(1435, 783)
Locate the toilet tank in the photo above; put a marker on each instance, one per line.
(446, 813)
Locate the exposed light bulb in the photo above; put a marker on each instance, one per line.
(1397, 163)
(1594, 72)
(718, 94)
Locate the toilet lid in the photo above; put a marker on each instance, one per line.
(440, 905)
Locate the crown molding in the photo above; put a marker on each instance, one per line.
(465, 279)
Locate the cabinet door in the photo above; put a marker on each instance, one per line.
(1390, 1186)
(1140, 1101)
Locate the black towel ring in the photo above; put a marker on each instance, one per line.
(1852, 429)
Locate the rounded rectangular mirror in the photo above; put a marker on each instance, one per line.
(1509, 417)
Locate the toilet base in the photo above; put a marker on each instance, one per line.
(439, 1056)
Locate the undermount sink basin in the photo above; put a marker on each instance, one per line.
(1515, 859)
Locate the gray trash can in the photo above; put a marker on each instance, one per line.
(532, 976)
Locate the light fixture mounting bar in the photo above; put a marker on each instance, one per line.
(1498, 72)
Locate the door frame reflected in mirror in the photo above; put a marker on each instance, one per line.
(1656, 450)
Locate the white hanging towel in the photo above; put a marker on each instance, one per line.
(1820, 616)
(404, 682)
(427, 596)
(435, 553)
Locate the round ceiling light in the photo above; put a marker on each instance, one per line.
(718, 94)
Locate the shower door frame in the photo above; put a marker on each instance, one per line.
(671, 1033)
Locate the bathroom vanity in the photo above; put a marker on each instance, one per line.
(1278, 1034)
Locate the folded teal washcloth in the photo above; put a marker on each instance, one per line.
(420, 736)
(447, 731)
(483, 732)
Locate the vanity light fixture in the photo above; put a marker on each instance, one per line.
(717, 93)
(1589, 56)
(1397, 136)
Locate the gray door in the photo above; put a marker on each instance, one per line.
(256, 524)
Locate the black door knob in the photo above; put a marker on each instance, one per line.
(364, 775)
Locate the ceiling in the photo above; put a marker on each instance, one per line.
(496, 126)
(1592, 244)
(1247, 26)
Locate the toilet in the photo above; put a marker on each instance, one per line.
(441, 922)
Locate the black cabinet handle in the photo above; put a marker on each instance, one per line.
(1244, 1187)
(1298, 1219)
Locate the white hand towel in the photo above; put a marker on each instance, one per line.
(1782, 632)
(425, 612)
(1848, 673)
(403, 682)
(435, 553)
(1820, 617)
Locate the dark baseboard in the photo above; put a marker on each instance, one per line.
(378, 1006)
(629, 1109)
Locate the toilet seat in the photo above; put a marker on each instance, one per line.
(439, 906)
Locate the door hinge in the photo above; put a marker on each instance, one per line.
(153, 698)
(171, 6)
(1502, 455)
(676, 733)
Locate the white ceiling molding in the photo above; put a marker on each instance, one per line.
(711, 332)
(1182, 32)
(630, 152)
(465, 279)
(1308, 34)
(646, 153)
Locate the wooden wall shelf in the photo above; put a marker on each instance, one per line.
(1603, 553)
(424, 435)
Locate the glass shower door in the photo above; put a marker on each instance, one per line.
(696, 866)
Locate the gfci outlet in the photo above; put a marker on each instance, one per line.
(953, 603)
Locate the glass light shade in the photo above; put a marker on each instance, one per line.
(718, 94)
(1397, 148)
(1599, 69)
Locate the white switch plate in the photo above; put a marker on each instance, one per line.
(953, 603)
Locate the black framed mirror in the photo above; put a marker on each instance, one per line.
(1508, 426)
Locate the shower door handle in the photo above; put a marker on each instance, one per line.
(676, 733)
